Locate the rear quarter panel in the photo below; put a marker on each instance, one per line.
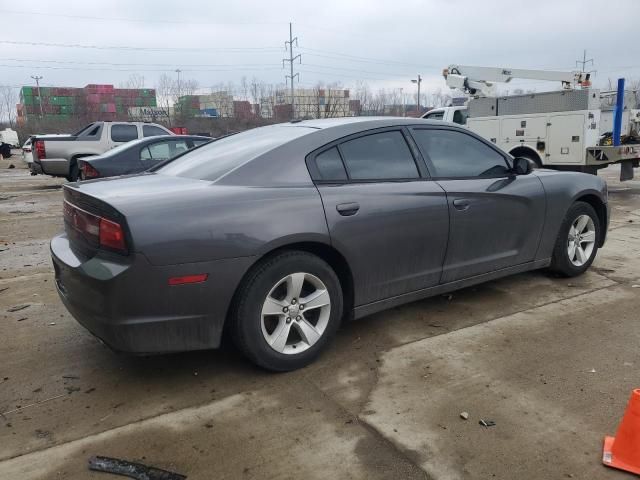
(225, 222)
(562, 190)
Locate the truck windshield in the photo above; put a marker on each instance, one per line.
(213, 160)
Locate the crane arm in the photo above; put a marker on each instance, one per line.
(480, 80)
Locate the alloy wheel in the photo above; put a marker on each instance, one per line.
(295, 313)
(582, 240)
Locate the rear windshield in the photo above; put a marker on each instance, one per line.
(215, 159)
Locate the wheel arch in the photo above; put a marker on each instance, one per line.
(326, 252)
(526, 151)
(601, 210)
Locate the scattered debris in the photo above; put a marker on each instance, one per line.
(17, 308)
(435, 325)
(5, 288)
(593, 370)
(464, 415)
(71, 377)
(22, 319)
(11, 165)
(632, 286)
(52, 323)
(92, 389)
(132, 470)
(32, 404)
(72, 389)
(487, 423)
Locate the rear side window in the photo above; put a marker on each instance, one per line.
(458, 155)
(329, 165)
(380, 156)
(460, 117)
(123, 133)
(152, 131)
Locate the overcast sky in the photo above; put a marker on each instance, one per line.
(383, 42)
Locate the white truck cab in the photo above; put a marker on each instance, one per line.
(448, 114)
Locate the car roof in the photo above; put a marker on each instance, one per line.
(364, 122)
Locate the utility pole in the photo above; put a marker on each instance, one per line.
(178, 72)
(584, 61)
(37, 79)
(418, 81)
(291, 59)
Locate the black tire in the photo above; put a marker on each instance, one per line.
(560, 261)
(74, 172)
(246, 314)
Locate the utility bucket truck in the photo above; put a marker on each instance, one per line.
(568, 129)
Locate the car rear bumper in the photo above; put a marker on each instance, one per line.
(128, 304)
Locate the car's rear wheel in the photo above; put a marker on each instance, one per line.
(287, 310)
(74, 173)
(577, 242)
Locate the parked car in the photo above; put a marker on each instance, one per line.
(138, 155)
(58, 155)
(279, 232)
(10, 137)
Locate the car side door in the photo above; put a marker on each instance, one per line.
(384, 214)
(496, 217)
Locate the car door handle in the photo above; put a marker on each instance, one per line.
(348, 209)
(461, 204)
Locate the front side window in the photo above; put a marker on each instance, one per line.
(123, 133)
(458, 155)
(435, 115)
(380, 156)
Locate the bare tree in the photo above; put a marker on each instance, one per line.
(164, 94)
(135, 80)
(8, 101)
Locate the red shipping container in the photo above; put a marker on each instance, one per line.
(111, 108)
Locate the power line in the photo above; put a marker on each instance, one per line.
(156, 49)
(584, 62)
(136, 20)
(74, 62)
(168, 69)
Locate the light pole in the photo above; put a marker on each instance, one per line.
(418, 81)
(37, 79)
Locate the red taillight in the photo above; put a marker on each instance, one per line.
(199, 278)
(111, 235)
(96, 230)
(40, 150)
(89, 171)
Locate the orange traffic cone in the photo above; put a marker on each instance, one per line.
(623, 451)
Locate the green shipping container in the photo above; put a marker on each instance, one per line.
(27, 91)
(67, 109)
(28, 100)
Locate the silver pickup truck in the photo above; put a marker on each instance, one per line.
(57, 155)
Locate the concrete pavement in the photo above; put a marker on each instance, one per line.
(383, 402)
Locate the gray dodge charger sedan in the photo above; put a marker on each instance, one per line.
(278, 233)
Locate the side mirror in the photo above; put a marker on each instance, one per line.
(522, 166)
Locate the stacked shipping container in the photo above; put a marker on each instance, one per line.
(97, 102)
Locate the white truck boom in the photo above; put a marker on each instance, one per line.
(567, 129)
(481, 80)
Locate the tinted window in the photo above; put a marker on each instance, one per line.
(379, 156)
(329, 165)
(123, 133)
(145, 154)
(152, 131)
(219, 157)
(460, 117)
(435, 116)
(456, 154)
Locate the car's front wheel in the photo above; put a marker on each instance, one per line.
(577, 242)
(287, 310)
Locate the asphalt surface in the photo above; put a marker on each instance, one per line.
(551, 361)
